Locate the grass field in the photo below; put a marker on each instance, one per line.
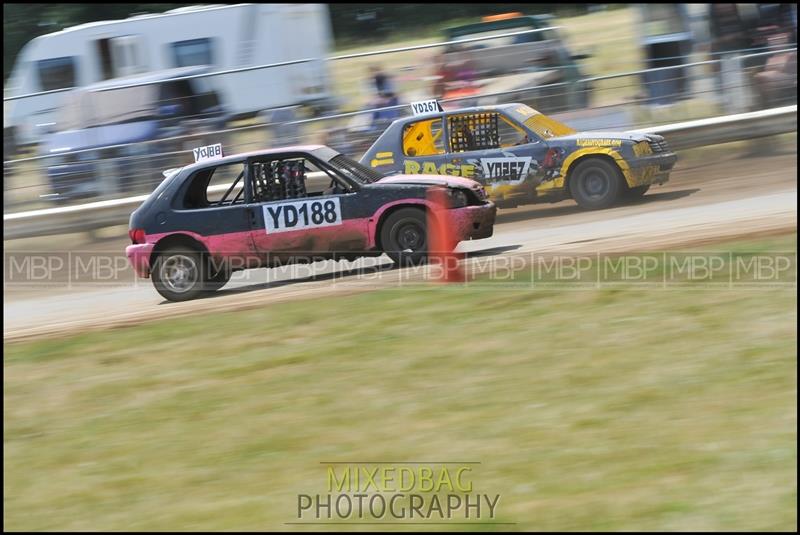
(613, 409)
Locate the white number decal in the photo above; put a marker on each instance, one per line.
(506, 170)
(210, 152)
(424, 106)
(298, 215)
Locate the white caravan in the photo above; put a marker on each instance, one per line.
(222, 36)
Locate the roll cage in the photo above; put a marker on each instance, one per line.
(462, 131)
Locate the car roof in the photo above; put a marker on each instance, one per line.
(473, 109)
(240, 157)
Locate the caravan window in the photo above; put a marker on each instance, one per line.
(192, 52)
(56, 73)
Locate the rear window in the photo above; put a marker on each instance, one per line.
(423, 138)
(216, 186)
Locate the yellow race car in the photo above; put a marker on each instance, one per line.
(522, 156)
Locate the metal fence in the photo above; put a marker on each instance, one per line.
(623, 100)
(689, 134)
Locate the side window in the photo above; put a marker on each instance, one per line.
(293, 178)
(222, 185)
(56, 73)
(510, 134)
(423, 138)
(192, 52)
(473, 131)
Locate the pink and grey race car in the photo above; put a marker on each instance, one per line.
(279, 206)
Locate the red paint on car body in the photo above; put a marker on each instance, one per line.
(353, 235)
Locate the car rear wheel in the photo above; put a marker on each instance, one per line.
(595, 183)
(178, 274)
(404, 236)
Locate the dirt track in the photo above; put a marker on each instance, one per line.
(728, 196)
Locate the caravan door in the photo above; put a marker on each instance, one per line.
(127, 57)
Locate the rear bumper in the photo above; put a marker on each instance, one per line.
(473, 222)
(139, 257)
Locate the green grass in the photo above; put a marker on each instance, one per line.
(615, 409)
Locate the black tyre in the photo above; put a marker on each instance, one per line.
(404, 236)
(636, 192)
(179, 274)
(215, 282)
(595, 183)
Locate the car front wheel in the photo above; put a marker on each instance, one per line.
(636, 192)
(595, 184)
(404, 236)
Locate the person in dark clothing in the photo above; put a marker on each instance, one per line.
(381, 81)
(728, 30)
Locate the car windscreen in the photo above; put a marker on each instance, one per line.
(501, 37)
(354, 170)
(546, 128)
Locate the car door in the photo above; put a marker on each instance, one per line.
(495, 150)
(212, 206)
(312, 211)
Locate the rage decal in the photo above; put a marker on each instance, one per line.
(410, 167)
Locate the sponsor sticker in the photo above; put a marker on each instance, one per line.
(511, 170)
(209, 152)
(299, 215)
(598, 142)
(425, 106)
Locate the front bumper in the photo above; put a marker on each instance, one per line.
(652, 169)
(473, 222)
(139, 257)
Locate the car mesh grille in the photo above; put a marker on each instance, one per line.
(659, 146)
